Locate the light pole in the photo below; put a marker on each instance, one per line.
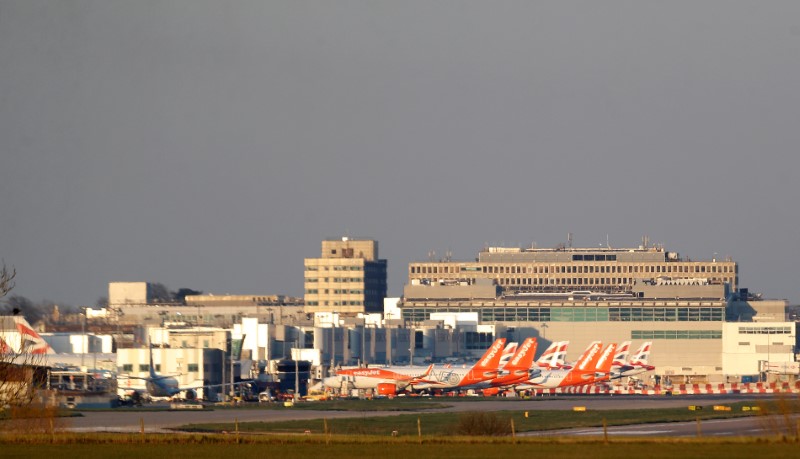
(412, 342)
(363, 344)
(333, 346)
(83, 335)
(296, 371)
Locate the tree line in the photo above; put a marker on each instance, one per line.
(42, 311)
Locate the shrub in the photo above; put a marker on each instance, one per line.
(484, 424)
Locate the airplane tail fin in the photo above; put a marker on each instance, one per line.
(523, 359)
(32, 342)
(490, 361)
(422, 377)
(560, 357)
(508, 353)
(153, 373)
(621, 356)
(606, 360)
(546, 358)
(641, 355)
(588, 361)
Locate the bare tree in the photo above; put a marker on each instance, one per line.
(6, 280)
(21, 360)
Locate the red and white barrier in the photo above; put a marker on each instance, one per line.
(680, 389)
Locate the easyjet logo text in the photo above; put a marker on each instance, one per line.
(492, 354)
(589, 357)
(526, 346)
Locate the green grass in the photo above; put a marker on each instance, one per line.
(347, 447)
(445, 423)
(383, 404)
(396, 404)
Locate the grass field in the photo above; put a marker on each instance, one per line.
(369, 436)
(447, 423)
(364, 447)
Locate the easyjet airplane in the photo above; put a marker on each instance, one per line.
(594, 365)
(519, 368)
(384, 380)
(458, 378)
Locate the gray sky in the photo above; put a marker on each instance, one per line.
(213, 145)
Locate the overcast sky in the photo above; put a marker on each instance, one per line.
(213, 144)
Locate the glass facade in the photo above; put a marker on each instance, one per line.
(583, 314)
(676, 334)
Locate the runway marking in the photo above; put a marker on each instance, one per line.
(625, 432)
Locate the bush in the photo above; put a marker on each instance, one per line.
(482, 424)
(31, 419)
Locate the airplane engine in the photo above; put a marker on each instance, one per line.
(387, 389)
(191, 395)
(491, 391)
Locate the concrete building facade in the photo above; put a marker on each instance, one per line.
(567, 269)
(348, 278)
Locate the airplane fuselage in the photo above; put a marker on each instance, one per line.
(371, 378)
(162, 387)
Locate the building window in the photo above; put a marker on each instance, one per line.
(193, 367)
(127, 368)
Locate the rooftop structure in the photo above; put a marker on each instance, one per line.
(566, 269)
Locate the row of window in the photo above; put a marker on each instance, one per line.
(335, 303)
(314, 291)
(765, 330)
(312, 280)
(597, 257)
(676, 334)
(667, 268)
(601, 314)
(144, 367)
(579, 281)
(478, 340)
(333, 268)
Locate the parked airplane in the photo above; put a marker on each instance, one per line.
(24, 340)
(553, 357)
(621, 356)
(168, 386)
(592, 366)
(384, 380)
(519, 368)
(636, 365)
(452, 378)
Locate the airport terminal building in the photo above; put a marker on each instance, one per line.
(687, 308)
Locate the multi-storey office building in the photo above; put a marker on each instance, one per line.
(566, 269)
(348, 278)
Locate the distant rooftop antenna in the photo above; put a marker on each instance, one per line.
(448, 255)
(569, 240)
(432, 255)
(645, 241)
